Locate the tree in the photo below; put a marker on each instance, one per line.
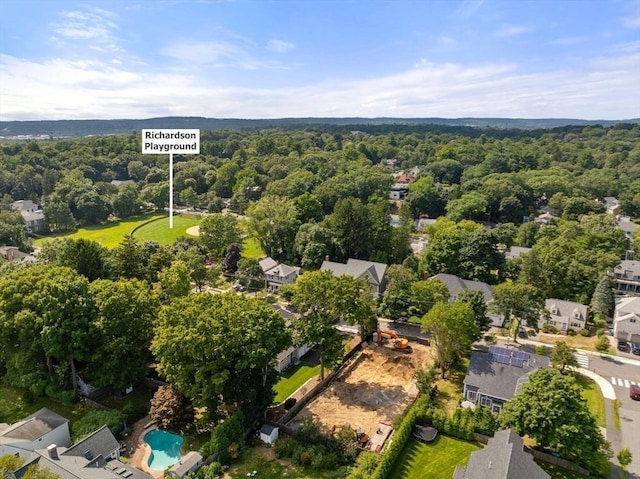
(58, 217)
(313, 243)
(127, 202)
(94, 420)
(602, 301)
(217, 231)
(624, 458)
(551, 410)
(87, 257)
(220, 349)
(452, 329)
(171, 409)
(196, 264)
(230, 261)
(396, 298)
(563, 356)
(124, 328)
(35, 471)
(518, 303)
(129, 259)
(9, 463)
(250, 273)
(350, 224)
(476, 300)
(273, 221)
(603, 344)
(426, 294)
(470, 206)
(175, 281)
(189, 197)
(324, 301)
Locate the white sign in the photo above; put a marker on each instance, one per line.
(156, 142)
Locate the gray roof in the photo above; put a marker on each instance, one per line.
(496, 379)
(503, 457)
(455, 285)
(35, 216)
(35, 425)
(98, 443)
(186, 463)
(356, 268)
(267, 263)
(267, 429)
(627, 226)
(120, 183)
(627, 269)
(515, 252)
(24, 206)
(566, 309)
(282, 269)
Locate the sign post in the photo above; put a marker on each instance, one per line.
(185, 142)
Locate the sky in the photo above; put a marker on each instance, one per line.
(137, 59)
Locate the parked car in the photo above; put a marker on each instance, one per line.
(635, 348)
(634, 392)
(622, 345)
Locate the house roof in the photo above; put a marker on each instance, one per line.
(35, 216)
(566, 309)
(496, 379)
(98, 443)
(503, 457)
(120, 183)
(356, 268)
(186, 462)
(267, 263)
(628, 227)
(24, 205)
(455, 285)
(35, 426)
(267, 429)
(282, 269)
(627, 307)
(515, 252)
(628, 269)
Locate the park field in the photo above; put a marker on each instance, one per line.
(158, 230)
(109, 234)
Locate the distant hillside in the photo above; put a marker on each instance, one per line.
(78, 128)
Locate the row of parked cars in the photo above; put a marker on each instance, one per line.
(626, 346)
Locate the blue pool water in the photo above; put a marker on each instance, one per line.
(165, 448)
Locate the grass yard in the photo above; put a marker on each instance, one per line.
(262, 460)
(13, 408)
(450, 389)
(108, 235)
(159, 230)
(591, 392)
(577, 341)
(292, 379)
(251, 248)
(557, 472)
(436, 460)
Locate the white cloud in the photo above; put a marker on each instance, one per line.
(95, 25)
(512, 31)
(280, 46)
(468, 8)
(632, 21)
(605, 88)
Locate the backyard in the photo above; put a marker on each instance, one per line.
(436, 460)
(292, 379)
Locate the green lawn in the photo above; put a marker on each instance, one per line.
(159, 230)
(557, 472)
(436, 460)
(109, 234)
(591, 392)
(13, 408)
(292, 379)
(252, 249)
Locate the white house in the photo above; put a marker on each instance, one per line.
(32, 215)
(564, 315)
(37, 431)
(276, 274)
(293, 354)
(626, 319)
(627, 276)
(268, 434)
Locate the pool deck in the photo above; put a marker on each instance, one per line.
(138, 451)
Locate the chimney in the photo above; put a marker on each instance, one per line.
(53, 451)
(326, 258)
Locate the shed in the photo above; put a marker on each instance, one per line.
(190, 462)
(268, 434)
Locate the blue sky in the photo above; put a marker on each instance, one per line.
(323, 58)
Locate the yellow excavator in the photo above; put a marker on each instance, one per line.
(401, 344)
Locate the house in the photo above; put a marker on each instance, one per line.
(514, 252)
(375, 274)
(32, 215)
(398, 191)
(418, 245)
(276, 274)
(405, 178)
(611, 205)
(94, 457)
(14, 255)
(496, 376)
(455, 284)
(121, 183)
(504, 457)
(293, 354)
(627, 226)
(544, 219)
(38, 430)
(564, 315)
(268, 434)
(422, 222)
(188, 463)
(626, 319)
(627, 276)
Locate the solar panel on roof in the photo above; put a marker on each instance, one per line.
(517, 362)
(127, 474)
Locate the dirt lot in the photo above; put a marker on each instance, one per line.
(377, 386)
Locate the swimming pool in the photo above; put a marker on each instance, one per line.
(165, 449)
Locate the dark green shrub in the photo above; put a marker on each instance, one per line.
(285, 447)
(571, 332)
(585, 332)
(289, 403)
(28, 397)
(133, 411)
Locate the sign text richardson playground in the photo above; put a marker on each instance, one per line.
(184, 142)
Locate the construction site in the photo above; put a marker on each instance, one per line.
(374, 388)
